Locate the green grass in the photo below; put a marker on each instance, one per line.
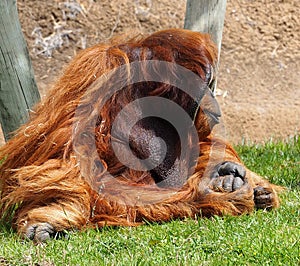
(279, 162)
(262, 238)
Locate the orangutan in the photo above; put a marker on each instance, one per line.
(125, 136)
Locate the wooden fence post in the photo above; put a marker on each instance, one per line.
(206, 16)
(18, 90)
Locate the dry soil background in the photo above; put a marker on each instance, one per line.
(259, 82)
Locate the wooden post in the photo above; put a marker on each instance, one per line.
(18, 90)
(206, 16)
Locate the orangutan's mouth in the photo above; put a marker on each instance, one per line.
(215, 117)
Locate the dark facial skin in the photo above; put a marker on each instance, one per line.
(151, 136)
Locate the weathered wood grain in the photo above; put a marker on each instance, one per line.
(206, 16)
(18, 90)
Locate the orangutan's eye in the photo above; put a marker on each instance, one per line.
(212, 80)
(211, 85)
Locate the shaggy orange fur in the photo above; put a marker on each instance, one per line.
(43, 182)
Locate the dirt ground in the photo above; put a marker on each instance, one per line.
(258, 82)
